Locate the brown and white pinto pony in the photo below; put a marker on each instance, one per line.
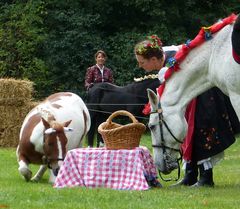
(53, 127)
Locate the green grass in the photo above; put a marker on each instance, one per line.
(15, 193)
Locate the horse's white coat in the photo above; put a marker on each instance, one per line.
(210, 64)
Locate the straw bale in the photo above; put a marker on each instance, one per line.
(15, 92)
(10, 136)
(11, 122)
(15, 103)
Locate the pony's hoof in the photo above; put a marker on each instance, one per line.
(26, 173)
(35, 179)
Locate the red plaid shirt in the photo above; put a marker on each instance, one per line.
(94, 75)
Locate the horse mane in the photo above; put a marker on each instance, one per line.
(142, 83)
(204, 34)
(130, 86)
(56, 126)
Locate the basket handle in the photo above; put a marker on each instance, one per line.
(124, 113)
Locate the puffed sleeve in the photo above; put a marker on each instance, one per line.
(161, 74)
(89, 78)
(108, 75)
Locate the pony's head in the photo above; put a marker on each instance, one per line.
(167, 133)
(55, 142)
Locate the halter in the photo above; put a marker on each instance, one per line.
(46, 160)
(162, 122)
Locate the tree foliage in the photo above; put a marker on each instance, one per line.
(53, 42)
(21, 35)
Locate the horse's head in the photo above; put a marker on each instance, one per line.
(55, 142)
(167, 131)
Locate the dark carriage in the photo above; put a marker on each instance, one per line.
(105, 98)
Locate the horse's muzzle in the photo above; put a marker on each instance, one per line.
(55, 171)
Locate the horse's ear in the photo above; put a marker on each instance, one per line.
(153, 99)
(66, 124)
(45, 123)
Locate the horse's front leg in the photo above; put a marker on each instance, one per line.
(91, 132)
(24, 170)
(39, 173)
(100, 119)
(100, 142)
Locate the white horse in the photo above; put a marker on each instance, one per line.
(216, 62)
(49, 130)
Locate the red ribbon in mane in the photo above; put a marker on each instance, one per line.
(183, 52)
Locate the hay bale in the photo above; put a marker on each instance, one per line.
(15, 92)
(11, 123)
(15, 103)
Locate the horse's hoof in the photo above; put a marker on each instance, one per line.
(26, 173)
(35, 179)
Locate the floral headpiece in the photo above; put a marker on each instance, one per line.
(153, 42)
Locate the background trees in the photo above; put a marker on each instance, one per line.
(53, 42)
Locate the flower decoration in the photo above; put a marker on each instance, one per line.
(171, 62)
(152, 42)
(188, 42)
(208, 34)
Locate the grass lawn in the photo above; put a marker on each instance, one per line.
(15, 193)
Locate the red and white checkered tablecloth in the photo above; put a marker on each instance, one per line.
(99, 167)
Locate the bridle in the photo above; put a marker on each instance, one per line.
(47, 160)
(163, 146)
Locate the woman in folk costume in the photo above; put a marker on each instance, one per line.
(212, 121)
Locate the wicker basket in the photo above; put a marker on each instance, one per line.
(118, 136)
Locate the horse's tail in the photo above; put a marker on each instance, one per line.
(236, 40)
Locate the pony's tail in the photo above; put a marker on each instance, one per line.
(236, 40)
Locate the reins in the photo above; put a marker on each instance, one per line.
(162, 122)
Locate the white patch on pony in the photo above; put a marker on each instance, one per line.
(22, 165)
(36, 135)
(60, 153)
